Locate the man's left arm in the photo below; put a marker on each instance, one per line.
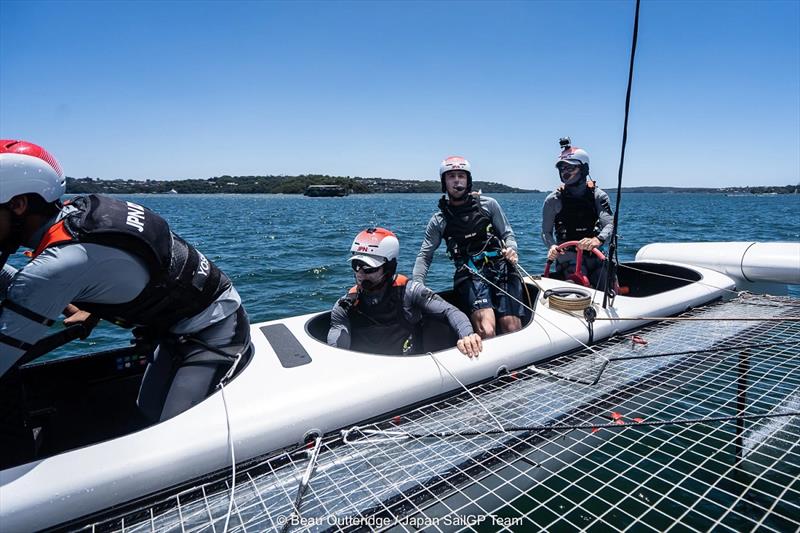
(604, 215)
(605, 223)
(339, 332)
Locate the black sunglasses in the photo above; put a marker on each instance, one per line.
(358, 266)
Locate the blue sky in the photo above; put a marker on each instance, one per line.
(199, 89)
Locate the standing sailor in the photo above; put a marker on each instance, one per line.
(577, 210)
(120, 262)
(482, 245)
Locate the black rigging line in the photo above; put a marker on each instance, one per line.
(612, 247)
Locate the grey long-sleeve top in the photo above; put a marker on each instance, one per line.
(81, 272)
(552, 207)
(418, 301)
(435, 232)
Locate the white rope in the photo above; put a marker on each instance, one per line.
(228, 375)
(233, 456)
(390, 436)
(468, 391)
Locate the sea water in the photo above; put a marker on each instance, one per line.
(287, 254)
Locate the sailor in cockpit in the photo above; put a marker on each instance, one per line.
(382, 313)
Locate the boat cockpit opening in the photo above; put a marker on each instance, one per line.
(436, 332)
(57, 405)
(647, 279)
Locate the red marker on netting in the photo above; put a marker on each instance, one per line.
(617, 418)
(636, 339)
(396, 420)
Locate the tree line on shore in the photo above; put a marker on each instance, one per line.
(267, 185)
(354, 185)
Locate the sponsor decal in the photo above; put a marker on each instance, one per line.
(135, 216)
(203, 266)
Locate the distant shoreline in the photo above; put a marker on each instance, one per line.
(355, 185)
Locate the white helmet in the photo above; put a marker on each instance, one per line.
(574, 156)
(375, 247)
(455, 162)
(28, 168)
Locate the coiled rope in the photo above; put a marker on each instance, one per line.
(568, 299)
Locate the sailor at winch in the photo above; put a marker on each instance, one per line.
(382, 313)
(577, 210)
(120, 262)
(482, 245)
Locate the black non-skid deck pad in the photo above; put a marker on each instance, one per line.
(288, 349)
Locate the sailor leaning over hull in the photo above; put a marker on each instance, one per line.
(577, 210)
(382, 313)
(182, 282)
(121, 262)
(483, 247)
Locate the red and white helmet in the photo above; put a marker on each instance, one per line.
(574, 156)
(28, 168)
(455, 162)
(375, 246)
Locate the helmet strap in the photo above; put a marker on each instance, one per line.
(390, 268)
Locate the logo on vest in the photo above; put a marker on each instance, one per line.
(135, 216)
(203, 266)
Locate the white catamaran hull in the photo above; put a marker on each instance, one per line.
(756, 266)
(272, 406)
